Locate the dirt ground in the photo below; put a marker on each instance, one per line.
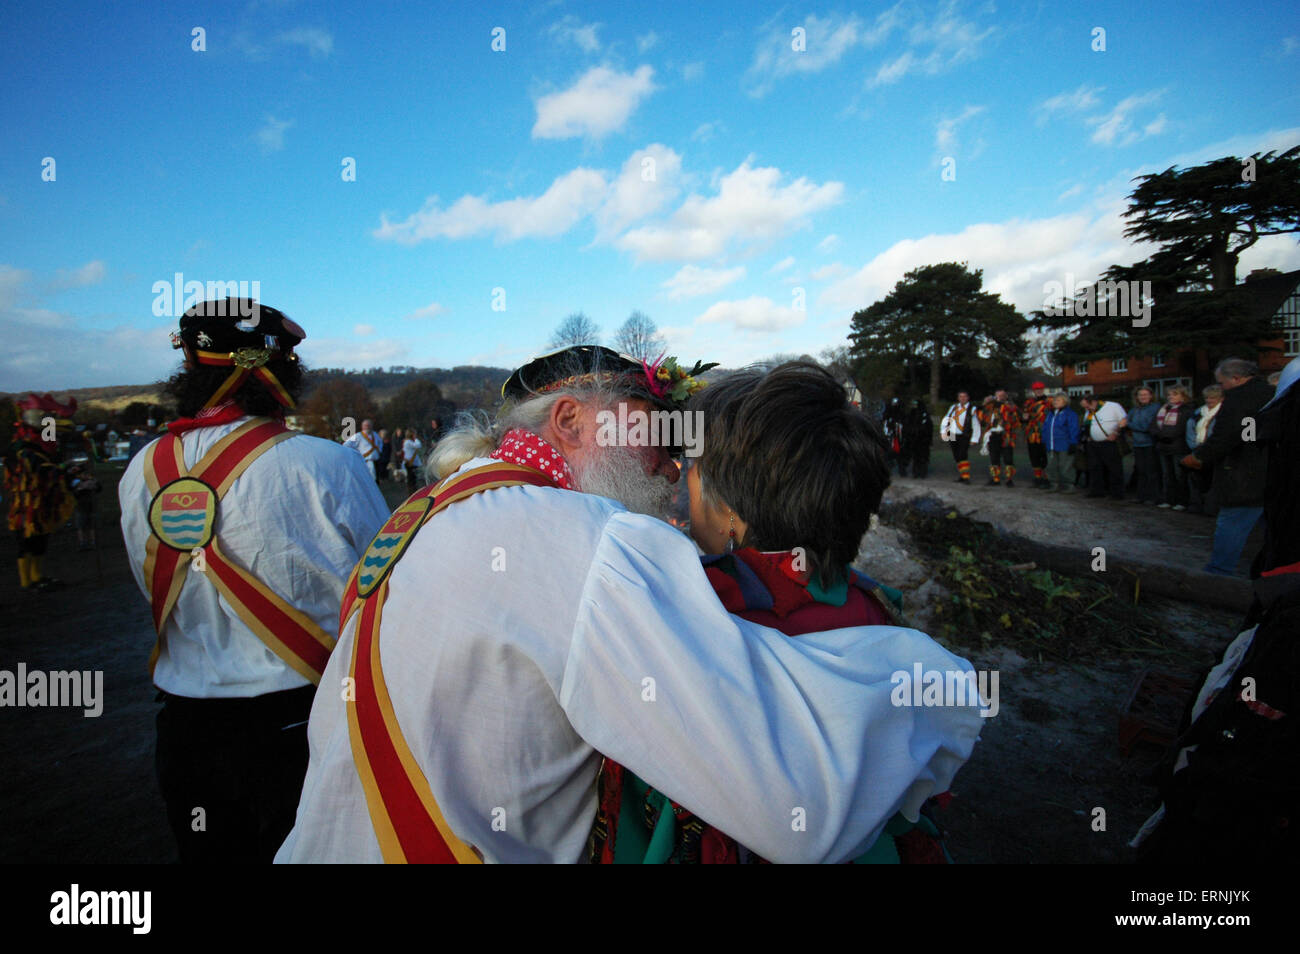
(82, 789)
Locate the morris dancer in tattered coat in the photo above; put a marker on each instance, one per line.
(521, 618)
(241, 533)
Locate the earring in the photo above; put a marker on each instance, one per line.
(731, 535)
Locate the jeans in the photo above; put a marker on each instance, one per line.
(1175, 477)
(1231, 531)
(1060, 469)
(1147, 469)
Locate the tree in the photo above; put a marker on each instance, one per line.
(1201, 219)
(940, 313)
(330, 402)
(577, 329)
(414, 405)
(639, 337)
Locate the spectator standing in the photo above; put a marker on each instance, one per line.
(1200, 482)
(1239, 452)
(1102, 422)
(411, 448)
(1170, 433)
(918, 434)
(385, 456)
(1059, 438)
(1146, 465)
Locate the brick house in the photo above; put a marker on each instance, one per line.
(1270, 293)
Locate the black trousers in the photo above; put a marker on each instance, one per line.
(1105, 469)
(1037, 456)
(231, 773)
(919, 457)
(961, 453)
(1146, 467)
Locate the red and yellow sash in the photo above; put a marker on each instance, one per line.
(407, 821)
(183, 516)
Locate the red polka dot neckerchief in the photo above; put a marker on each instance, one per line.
(526, 448)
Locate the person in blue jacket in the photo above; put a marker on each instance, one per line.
(1060, 440)
(1146, 465)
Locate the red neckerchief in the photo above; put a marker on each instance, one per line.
(223, 413)
(526, 448)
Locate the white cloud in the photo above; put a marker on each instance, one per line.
(825, 272)
(781, 265)
(1017, 256)
(1116, 127)
(318, 43)
(432, 310)
(825, 42)
(691, 281)
(569, 198)
(692, 71)
(750, 206)
(648, 181)
(573, 30)
(945, 133)
(935, 46)
(705, 131)
(1156, 126)
(271, 134)
(755, 313)
(646, 42)
(828, 244)
(1080, 100)
(1071, 192)
(597, 104)
(351, 353)
(92, 273)
(363, 331)
(1290, 44)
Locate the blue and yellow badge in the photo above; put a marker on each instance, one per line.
(183, 515)
(390, 543)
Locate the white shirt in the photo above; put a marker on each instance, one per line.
(367, 445)
(955, 420)
(1110, 415)
(601, 634)
(298, 518)
(410, 447)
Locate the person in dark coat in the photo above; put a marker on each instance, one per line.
(893, 422)
(1238, 449)
(1281, 419)
(918, 434)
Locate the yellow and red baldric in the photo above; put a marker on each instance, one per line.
(245, 361)
(407, 821)
(183, 516)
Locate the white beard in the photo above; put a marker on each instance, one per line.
(617, 473)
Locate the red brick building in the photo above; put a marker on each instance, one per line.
(1271, 293)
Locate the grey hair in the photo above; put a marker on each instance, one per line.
(1236, 368)
(1212, 390)
(476, 434)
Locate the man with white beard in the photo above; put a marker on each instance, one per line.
(539, 620)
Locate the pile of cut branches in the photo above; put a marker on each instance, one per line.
(997, 597)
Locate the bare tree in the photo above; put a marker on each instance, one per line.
(1039, 346)
(639, 337)
(577, 329)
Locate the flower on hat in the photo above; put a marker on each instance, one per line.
(668, 381)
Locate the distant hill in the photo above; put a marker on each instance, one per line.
(466, 386)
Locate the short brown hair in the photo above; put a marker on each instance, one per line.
(796, 461)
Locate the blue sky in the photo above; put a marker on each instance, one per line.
(680, 159)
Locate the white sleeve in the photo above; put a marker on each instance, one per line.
(359, 508)
(790, 745)
(974, 426)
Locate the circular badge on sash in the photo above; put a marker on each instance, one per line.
(390, 543)
(183, 515)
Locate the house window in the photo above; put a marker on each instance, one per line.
(1080, 390)
(1158, 360)
(1290, 315)
(1081, 367)
(1119, 366)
